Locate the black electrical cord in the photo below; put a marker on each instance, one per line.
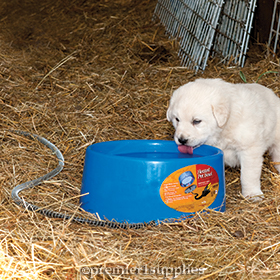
(50, 213)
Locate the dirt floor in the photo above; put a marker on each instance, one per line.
(81, 72)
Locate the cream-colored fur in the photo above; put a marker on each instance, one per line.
(243, 120)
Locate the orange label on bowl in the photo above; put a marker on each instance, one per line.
(190, 189)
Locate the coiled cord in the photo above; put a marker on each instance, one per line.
(50, 213)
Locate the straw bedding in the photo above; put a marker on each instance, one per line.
(81, 72)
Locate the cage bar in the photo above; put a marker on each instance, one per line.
(275, 27)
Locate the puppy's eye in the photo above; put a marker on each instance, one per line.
(195, 122)
(177, 120)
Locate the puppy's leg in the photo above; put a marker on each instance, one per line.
(275, 148)
(251, 167)
(275, 155)
(231, 158)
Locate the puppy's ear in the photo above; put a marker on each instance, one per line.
(168, 114)
(171, 105)
(221, 113)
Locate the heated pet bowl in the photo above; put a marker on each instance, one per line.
(138, 181)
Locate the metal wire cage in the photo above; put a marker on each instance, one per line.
(274, 34)
(193, 24)
(233, 32)
(202, 26)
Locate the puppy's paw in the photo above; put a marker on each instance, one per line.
(254, 197)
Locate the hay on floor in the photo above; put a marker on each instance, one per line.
(81, 72)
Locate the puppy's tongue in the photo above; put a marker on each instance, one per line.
(185, 149)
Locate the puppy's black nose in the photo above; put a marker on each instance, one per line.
(183, 141)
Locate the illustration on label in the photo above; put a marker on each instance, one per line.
(186, 179)
(190, 189)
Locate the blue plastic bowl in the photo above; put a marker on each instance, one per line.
(148, 180)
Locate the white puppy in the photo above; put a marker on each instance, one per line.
(243, 120)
